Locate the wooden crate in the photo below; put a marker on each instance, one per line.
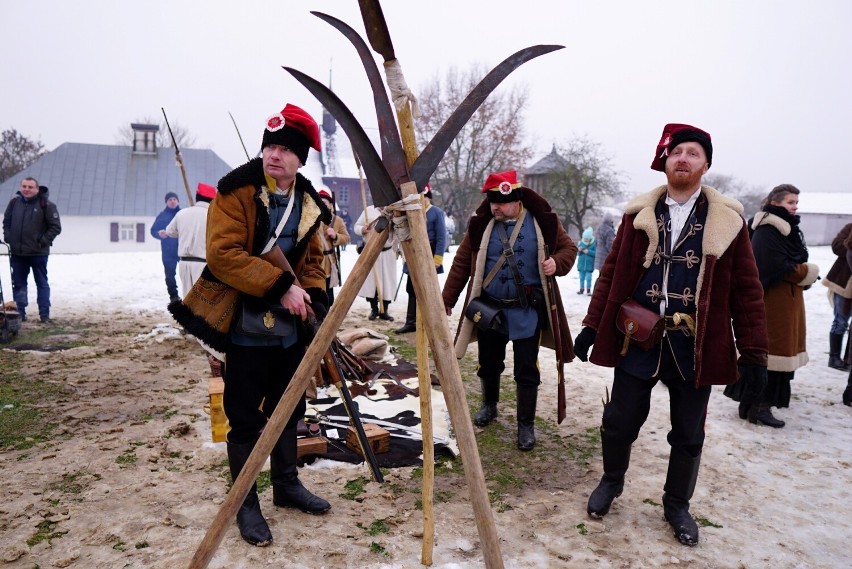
(306, 446)
(378, 437)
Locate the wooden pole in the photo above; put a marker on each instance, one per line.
(295, 391)
(421, 268)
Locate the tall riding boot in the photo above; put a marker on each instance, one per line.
(374, 308)
(490, 397)
(287, 489)
(253, 526)
(384, 313)
(616, 459)
(835, 360)
(847, 393)
(762, 414)
(680, 485)
(410, 317)
(527, 398)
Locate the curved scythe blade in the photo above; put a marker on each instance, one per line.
(393, 155)
(428, 160)
(382, 188)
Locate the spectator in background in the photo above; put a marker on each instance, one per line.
(30, 225)
(382, 280)
(168, 245)
(333, 236)
(604, 236)
(586, 250)
(436, 229)
(839, 283)
(188, 228)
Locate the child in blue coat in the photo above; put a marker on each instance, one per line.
(586, 260)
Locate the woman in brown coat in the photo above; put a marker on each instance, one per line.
(782, 262)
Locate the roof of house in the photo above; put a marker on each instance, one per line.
(548, 164)
(100, 179)
(825, 202)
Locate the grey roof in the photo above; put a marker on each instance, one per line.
(99, 179)
(548, 164)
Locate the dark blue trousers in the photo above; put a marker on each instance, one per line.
(21, 265)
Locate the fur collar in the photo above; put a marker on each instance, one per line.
(766, 218)
(724, 220)
(535, 204)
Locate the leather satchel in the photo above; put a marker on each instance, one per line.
(259, 319)
(485, 314)
(642, 327)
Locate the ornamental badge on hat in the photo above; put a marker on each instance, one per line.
(505, 188)
(275, 122)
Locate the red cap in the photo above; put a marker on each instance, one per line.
(502, 187)
(674, 134)
(206, 190)
(323, 193)
(293, 128)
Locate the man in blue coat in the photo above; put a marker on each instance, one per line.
(168, 245)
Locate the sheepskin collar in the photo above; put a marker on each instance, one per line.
(724, 220)
(766, 218)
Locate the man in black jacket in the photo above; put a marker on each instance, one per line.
(30, 225)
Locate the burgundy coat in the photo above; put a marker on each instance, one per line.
(468, 268)
(730, 315)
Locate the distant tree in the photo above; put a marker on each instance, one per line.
(17, 152)
(749, 196)
(184, 138)
(492, 141)
(585, 181)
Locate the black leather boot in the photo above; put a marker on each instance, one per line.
(490, 397)
(287, 489)
(410, 317)
(253, 526)
(835, 344)
(384, 314)
(374, 309)
(743, 409)
(762, 415)
(680, 485)
(527, 398)
(616, 459)
(847, 393)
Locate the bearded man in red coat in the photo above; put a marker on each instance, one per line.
(683, 254)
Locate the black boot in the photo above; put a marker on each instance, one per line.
(374, 309)
(490, 397)
(762, 415)
(835, 344)
(743, 409)
(384, 314)
(410, 317)
(847, 393)
(253, 526)
(680, 485)
(616, 459)
(527, 398)
(287, 489)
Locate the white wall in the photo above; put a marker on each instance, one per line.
(91, 234)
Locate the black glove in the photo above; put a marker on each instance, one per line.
(754, 381)
(583, 342)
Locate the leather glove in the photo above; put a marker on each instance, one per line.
(583, 342)
(754, 381)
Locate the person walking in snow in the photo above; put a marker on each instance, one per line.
(586, 250)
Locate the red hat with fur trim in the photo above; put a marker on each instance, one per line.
(502, 187)
(674, 134)
(205, 192)
(324, 193)
(293, 128)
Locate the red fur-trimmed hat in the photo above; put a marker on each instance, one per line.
(205, 192)
(502, 187)
(674, 134)
(427, 191)
(293, 128)
(324, 193)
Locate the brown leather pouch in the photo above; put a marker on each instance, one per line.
(642, 327)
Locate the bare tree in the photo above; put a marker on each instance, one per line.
(750, 196)
(184, 138)
(492, 141)
(585, 181)
(17, 152)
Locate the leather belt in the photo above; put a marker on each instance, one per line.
(196, 259)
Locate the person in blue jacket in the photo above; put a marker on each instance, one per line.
(436, 228)
(168, 245)
(586, 250)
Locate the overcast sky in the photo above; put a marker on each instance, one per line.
(771, 80)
